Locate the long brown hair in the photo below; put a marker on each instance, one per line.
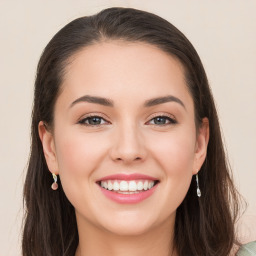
(204, 226)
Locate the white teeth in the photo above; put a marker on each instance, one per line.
(110, 186)
(128, 192)
(140, 185)
(132, 186)
(127, 187)
(145, 186)
(116, 186)
(123, 186)
(105, 184)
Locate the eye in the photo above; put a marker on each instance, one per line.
(96, 120)
(92, 120)
(162, 119)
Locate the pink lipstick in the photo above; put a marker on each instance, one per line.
(128, 189)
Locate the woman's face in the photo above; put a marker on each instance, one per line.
(143, 126)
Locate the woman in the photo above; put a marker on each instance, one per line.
(125, 129)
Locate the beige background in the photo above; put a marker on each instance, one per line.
(224, 34)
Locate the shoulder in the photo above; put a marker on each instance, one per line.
(247, 249)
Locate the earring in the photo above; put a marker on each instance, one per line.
(54, 184)
(198, 191)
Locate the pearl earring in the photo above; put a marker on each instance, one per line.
(54, 184)
(198, 191)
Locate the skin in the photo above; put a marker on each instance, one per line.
(128, 140)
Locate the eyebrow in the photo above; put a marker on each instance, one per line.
(94, 99)
(161, 100)
(110, 103)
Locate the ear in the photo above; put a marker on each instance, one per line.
(48, 144)
(201, 145)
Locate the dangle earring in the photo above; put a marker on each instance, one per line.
(198, 191)
(54, 184)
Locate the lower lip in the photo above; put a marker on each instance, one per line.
(128, 198)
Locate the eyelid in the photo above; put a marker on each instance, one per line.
(171, 120)
(163, 115)
(174, 121)
(92, 115)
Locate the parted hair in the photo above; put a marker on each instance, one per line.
(204, 226)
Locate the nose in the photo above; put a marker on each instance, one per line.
(128, 145)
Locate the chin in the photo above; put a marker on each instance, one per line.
(129, 224)
(128, 230)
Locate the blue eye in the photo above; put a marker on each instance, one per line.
(161, 120)
(92, 121)
(97, 121)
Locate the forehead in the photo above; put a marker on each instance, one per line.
(127, 70)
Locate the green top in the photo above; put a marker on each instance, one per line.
(248, 249)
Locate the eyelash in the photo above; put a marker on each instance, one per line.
(168, 117)
(91, 116)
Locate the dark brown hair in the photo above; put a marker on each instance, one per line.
(204, 226)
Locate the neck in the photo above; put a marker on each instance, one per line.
(96, 241)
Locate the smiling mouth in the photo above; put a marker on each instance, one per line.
(127, 187)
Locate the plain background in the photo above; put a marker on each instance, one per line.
(224, 34)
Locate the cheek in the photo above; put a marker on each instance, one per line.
(77, 154)
(175, 154)
(78, 157)
(176, 158)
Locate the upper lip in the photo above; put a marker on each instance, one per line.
(132, 176)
